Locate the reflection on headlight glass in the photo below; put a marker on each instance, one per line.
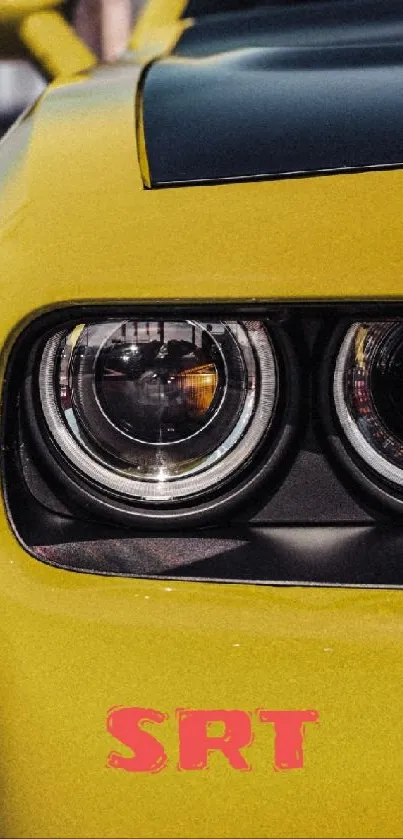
(159, 410)
(368, 394)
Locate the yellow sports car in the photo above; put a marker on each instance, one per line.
(201, 563)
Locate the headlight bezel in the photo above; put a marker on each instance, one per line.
(263, 464)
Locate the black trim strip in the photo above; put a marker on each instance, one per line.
(357, 557)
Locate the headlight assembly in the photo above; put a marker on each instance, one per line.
(281, 425)
(153, 418)
(368, 397)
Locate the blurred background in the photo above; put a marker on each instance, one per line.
(105, 25)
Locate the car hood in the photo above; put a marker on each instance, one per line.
(76, 223)
(278, 92)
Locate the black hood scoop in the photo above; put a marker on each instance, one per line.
(274, 105)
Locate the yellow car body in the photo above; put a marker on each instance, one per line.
(72, 645)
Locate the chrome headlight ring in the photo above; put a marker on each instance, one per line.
(359, 397)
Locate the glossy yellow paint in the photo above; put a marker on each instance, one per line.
(141, 144)
(322, 237)
(76, 224)
(11, 9)
(159, 25)
(74, 645)
(54, 44)
(36, 26)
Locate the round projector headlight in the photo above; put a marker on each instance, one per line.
(368, 395)
(158, 412)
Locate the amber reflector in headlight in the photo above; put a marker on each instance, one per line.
(368, 395)
(158, 411)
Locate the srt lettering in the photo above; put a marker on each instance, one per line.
(196, 743)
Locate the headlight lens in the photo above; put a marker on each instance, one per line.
(158, 411)
(368, 395)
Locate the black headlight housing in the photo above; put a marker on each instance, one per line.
(158, 421)
(208, 441)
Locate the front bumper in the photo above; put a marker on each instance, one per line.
(74, 645)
